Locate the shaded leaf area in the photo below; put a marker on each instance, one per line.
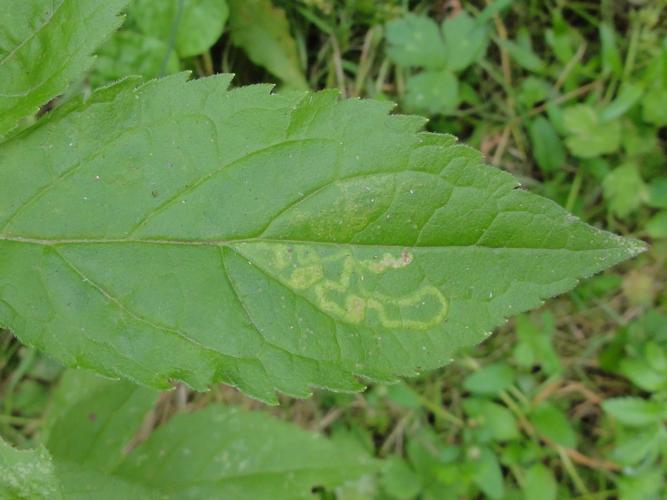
(261, 29)
(195, 27)
(212, 453)
(156, 36)
(179, 230)
(44, 45)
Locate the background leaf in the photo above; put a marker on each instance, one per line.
(44, 46)
(415, 41)
(197, 24)
(262, 31)
(432, 92)
(210, 453)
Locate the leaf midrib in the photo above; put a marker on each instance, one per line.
(232, 242)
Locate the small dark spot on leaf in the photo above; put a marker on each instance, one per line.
(92, 416)
(155, 193)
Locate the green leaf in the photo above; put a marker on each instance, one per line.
(539, 484)
(589, 136)
(642, 445)
(624, 189)
(44, 46)
(657, 192)
(611, 57)
(643, 375)
(415, 41)
(492, 417)
(487, 475)
(547, 147)
(643, 484)
(635, 412)
(216, 452)
(465, 41)
(398, 478)
(628, 96)
(27, 474)
(550, 421)
(195, 26)
(525, 56)
(272, 242)
(103, 415)
(491, 379)
(653, 106)
(231, 453)
(130, 53)
(432, 92)
(657, 225)
(532, 91)
(263, 32)
(534, 346)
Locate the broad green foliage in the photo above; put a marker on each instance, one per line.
(547, 147)
(44, 45)
(132, 53)
(194, 27)
(589, 136)
(156, 35)
(262, 31)
(624, 189)
(217, 452)
(273, 242)
(27, 474)
(417, 41)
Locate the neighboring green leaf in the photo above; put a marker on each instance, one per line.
(636, 412)
(611, 57)
(399, 480)
(487, 474)
(643, 375)
(493, 418)
(628, 96)
(642, 484)
(415, 41)
(217, 452)
(589, 136)
(534, 347)
(103, 415)
(657, 225)
(272, 242)
(27, 474)
(624, 189)
(197, 26)
(654, 105)
(263, 32)
(547, 147)
(130, 53)
(563, 39)
(229, 453)
(465, 41)
(551, 422)
(532, 91)
(657, 192)
(491, 379)
(525, 56)
(44, 46)
(432, 92)
(637, 446)
(539, 484)
(404, 395)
